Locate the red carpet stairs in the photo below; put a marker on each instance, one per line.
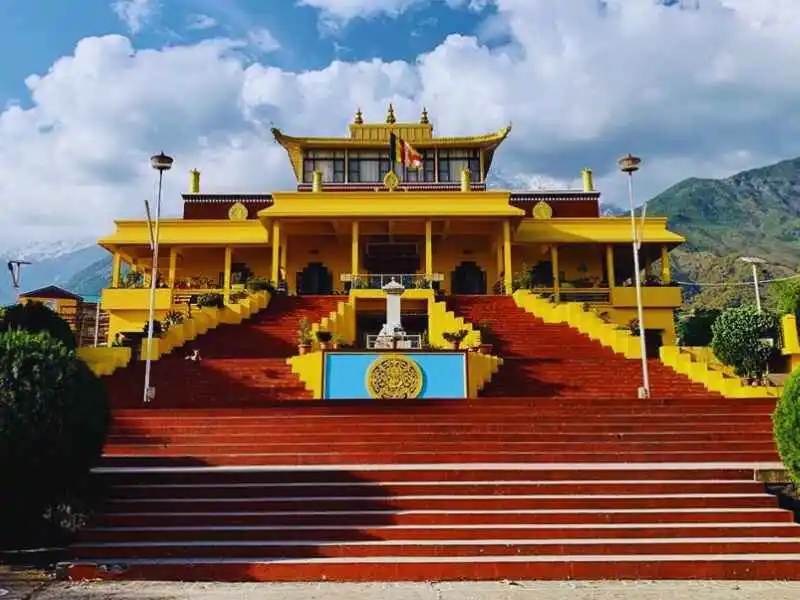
(577, 481)
(554, 360)
(242, 365)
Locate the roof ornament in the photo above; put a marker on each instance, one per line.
(424, 119)
(390, 119)
(359, 117)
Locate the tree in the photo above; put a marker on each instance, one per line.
(54, 416)
(786, 296)
(36, 317)
(740, 340)
(786, 426)
(694, 326)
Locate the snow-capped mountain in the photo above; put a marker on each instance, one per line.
(52, 262)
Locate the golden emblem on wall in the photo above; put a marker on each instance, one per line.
(394, 377)
(542, 210)
(391, 180)
(237, 212)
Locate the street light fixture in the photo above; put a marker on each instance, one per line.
(629, 165)
(754, 261)
(160, 162)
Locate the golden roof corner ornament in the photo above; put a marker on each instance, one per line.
(424, 119)
(390, 118)
(359, 120)
(542, 210)
(237, 212)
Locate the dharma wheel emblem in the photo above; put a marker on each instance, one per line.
(394, 377)
(391, 180)
(542, 210)
(237, 212)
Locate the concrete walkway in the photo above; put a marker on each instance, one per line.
(639, 590)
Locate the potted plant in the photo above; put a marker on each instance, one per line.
(486, 331)
(324, 338)
(455, 337)
(335, 340)
(304, 337)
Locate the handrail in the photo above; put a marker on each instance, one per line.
(378, 280)
(400, 342)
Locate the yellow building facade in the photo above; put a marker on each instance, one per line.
(358, 219)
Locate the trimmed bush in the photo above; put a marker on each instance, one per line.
(36, 317)
(786, 426)
(54, 416)
(694, 327)
(738, 340)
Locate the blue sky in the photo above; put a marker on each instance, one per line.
(47, 29)
(697, 88)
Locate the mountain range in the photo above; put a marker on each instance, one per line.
(752, 213)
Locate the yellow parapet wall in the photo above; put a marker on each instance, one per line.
(441, 321)
(308, 367)
(791, 343)
(104, 361)
(341, 323)
(480, 370)
(699, 365)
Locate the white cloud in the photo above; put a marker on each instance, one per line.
(200, 21)
(263, 40)
(345, 10)
(135, 13)
(694, 92)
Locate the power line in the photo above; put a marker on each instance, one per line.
(734, 284)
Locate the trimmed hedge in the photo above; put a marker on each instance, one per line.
(694, 327)
(786, 426)
(54, 416)
(737, 340)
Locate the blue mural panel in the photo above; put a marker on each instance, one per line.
(444, 374)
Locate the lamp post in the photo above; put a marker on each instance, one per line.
(160, 162)
(15, 268)
(629, 165)
(754, 261)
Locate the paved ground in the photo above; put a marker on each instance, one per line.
(664, 590)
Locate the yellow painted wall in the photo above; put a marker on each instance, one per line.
(331, 251)
(453, 250)
(654, 318)
(570, 258)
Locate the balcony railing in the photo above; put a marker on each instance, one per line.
(399, 342)
(376, 281)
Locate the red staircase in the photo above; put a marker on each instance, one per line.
(500, 489)
(242, 365)
(555, 360)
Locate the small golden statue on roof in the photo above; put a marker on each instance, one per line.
(424, 119)
(359, 117)
(390, 119)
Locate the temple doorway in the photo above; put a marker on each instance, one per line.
(315, 280)
(468, 278)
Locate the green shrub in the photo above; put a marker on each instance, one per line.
(786, 426)
(159, 328)
(36, 317)
(694, 327)
(258, 284)
(786, 296)
(211, 300)
(738, 340)
(54, 416)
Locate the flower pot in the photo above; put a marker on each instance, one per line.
(323, 345)
(486, 348)
(303, 348)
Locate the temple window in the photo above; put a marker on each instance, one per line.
(453, 161)
(329, 163)
(366, 166)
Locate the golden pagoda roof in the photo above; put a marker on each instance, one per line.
(371, 136)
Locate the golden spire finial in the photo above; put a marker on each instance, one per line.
(390, 115)
(359, 117)
(424, 119)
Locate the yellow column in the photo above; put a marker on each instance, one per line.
(354, 250)
(556, 281)
(666, 270)
(173, 266)
(428, 247)
(610, 266)
(227, 281)
(115, 267)
(276, 255)
(507, 276)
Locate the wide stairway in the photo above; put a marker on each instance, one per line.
(440, 490)
(242, 365)
(555, 360)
